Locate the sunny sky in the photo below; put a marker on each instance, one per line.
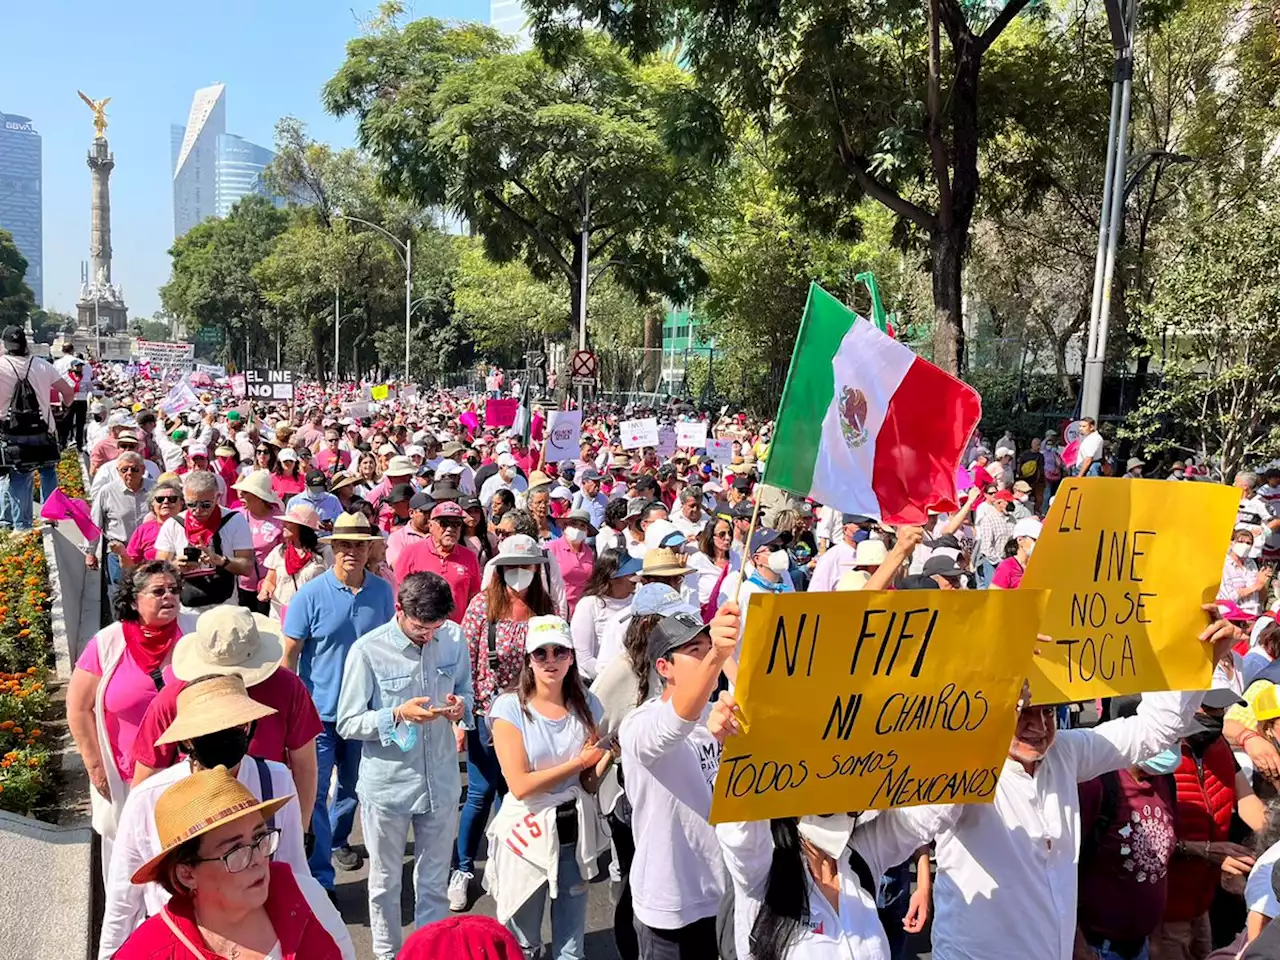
(150, 57)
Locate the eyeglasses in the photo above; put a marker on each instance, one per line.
(128, 469)
(162, 592)
(239, 858)
(201, 504)
(542, 654)
(164, 498)
(454, 524)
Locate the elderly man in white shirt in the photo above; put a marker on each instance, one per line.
(1007, 871)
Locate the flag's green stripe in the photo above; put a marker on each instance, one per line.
(808, 392)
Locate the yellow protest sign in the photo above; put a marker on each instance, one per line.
(862, 701)
(380, 392)
(1129, 563)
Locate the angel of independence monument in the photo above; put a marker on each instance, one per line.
(100, 309)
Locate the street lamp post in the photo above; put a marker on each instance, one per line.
(405, 249)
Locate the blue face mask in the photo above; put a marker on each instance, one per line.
(1162, 763)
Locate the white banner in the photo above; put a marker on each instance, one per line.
(691, 436)
(564, 431)
(165, 354)
(212, 369)
(720, 451)
(639, 433)
(666, 441)
(357, 410)
(180, 398)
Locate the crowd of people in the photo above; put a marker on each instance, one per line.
(315, 614)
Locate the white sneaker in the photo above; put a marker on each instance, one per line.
(459, 884)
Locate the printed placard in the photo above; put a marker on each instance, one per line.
(639, 433)
(720, 451)
(691, 436)
(564, 430)
(269, 384)
(868, 701)
(1129, 562)
(666, 442)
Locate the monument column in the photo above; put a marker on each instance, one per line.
(101, 163)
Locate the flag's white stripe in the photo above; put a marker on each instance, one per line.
(874, 363)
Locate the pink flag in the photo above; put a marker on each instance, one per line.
(469, 420)
(501, 413)
(58, 506)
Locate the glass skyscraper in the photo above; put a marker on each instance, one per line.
(21, 194)
(212, 169)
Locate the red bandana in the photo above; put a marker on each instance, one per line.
(200, 532)
(149, 645)
(295, 559)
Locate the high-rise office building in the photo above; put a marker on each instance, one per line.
(21, 194)
(508, 16)
(212, 169)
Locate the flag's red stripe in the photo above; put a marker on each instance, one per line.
(925, 430)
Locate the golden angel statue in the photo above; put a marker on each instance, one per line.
(99, 108)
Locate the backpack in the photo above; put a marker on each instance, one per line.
(1029, 466)
(206, 589)
(26, 441)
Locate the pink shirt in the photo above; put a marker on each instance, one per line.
(142, 545)
(325, 458)
(574, 567)
(129, 692)
(285, 486)
(266, 534)
(1008, 574)
(400, 538)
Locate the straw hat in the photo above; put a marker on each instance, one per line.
(211, 704)
(538, 479)
(257, 483)
(230, 641)
(342, 480)
(661, 562)
(351, 526)
(400, 467)
(303, 514)
(197, 804)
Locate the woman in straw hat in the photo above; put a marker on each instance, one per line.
(115, 680)
(262, 509)
(228, 898)
(296, 560)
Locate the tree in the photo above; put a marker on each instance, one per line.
(592, 156)
(212, 282)
(47, 324)
(1216, 307)
(151, 329)
(879, 99)
(16, 299)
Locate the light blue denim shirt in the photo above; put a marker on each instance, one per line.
(383, 670)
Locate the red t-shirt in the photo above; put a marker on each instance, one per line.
(294, 724)
(1124, 881)
(460, 569)
(1008, 574)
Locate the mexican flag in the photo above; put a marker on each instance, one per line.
(865, 425)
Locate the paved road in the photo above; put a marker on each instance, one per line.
(353, 901)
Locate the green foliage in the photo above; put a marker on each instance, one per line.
(1216, 309)
(16, 298)
(503, 308)
(47, 324)
(212, 283)
(532, 152)
(151, 329)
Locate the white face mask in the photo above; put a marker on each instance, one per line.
(779, 562)
(1030, 547)
(575, 534)
(828, 834)
(1240, 549)
(517, 578)
(508, 473)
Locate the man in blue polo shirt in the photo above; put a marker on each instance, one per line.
(324, 619)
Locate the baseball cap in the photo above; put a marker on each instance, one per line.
(1027, 527)
(233, 416)
(547, 631)
(198, 450)
(421, 501)
(636, 505)
(858, 518)
(761, 538)
(660, 599)
(400, 493)
(448, 510)
(942, 566)
(672, 632)
(315, 478)
(591, 473)
(287, 454)
(628, 568)
(742, 511)
(506, 460)
(1022, 487)
(1005, 496)
(447, 467)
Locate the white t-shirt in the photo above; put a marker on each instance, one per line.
(547, 742)
(592, 619)
(172, 538)
(43, 375)
(1258, 895)
(670, 766)
(1090, 449)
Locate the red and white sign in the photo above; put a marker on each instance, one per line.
(583, 364)
(691, 436)
(639, 433)
(238, 386)
(720, 451)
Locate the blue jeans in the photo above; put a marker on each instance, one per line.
(332, 828)
(17, 494)
(986, 570)
(485, 790)
(114, 571)
(1105, 952)
(568, 912)
(48, 482)
(892, 900)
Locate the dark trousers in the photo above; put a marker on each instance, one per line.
(249, 600)
(697, 941)
(71, 424)
(624, 931)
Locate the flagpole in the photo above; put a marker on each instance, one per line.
(746, 547)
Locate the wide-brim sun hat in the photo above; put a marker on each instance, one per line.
(302, 514)
(351, 526)
(197, 804)
(230, 641)
(341, 480)
(539, 479)
(258, 483)
(581, 516)
(662, 562)
(400, 467)
(212, 703)
(519, 550)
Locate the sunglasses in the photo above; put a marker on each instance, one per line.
(543, 654)
(165, 498)
(201, 504)
(128, 469)
(159, 592)
(453, 523)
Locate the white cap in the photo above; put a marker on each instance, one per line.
(506, 460)
(548, 631)
(287, 454)
(870, 553)
(1003, 452)
(502, 447)
(197, 450)
(413, 450)
(557, 493)
(387, 450)
(660, 532)
(448, 467)
(419, 436)
(443, 438)
(1027, 527)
